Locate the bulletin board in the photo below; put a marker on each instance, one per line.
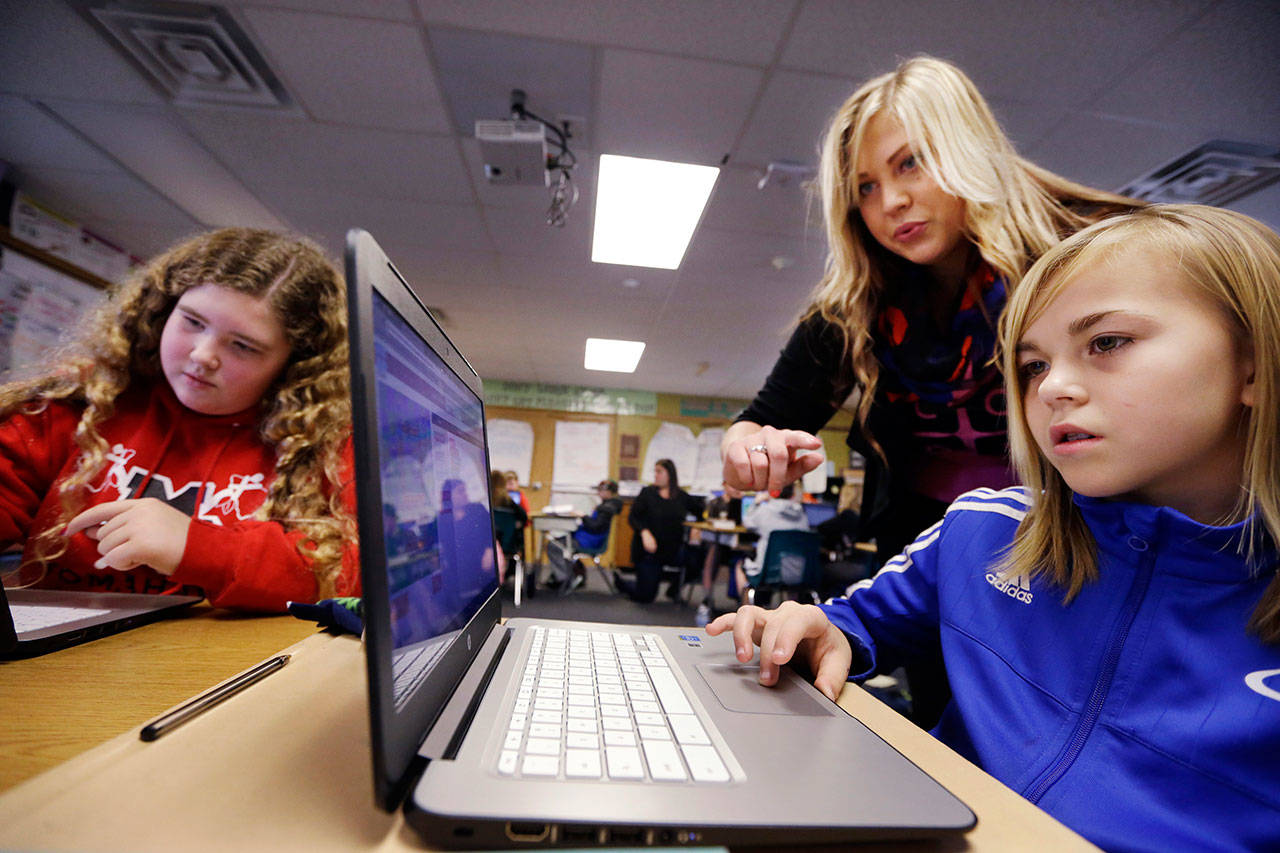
(41, 299)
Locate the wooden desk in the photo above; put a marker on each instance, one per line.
(58, 705)
(544, 523)
(286, 764)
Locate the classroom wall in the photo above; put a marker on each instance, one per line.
(669, 406)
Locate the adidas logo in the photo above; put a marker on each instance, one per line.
(1017, 587)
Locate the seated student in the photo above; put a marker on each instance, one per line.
(720, 507)
(657, 516)
(768, 514)
(593, 530)
(197, 438)
(500, 497)
(1111, 630)
(513, 491)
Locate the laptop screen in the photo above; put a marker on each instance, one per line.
(817, 513)
(437, 528)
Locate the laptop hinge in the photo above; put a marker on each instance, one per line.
(446, 735)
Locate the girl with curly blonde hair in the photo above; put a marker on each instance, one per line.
(198, 435)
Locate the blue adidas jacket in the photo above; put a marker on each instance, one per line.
(1142, 715)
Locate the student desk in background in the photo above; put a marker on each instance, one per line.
(550, 522)
(286, 764)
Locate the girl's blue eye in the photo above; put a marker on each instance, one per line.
(1108, 343)
(1031, 369)
(908, 163)
(865, 188)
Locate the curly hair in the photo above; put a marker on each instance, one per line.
(305, 413)
(1014, 210)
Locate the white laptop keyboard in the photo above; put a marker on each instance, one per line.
(33, 617)
(606, 705)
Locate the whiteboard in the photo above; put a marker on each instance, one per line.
(581, 454)
(38, 306)
(511, 447)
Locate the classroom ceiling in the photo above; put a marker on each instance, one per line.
(386, 93)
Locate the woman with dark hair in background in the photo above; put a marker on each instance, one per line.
(657, 515)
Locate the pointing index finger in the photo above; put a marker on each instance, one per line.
(96, 515)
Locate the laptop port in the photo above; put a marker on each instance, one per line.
(626, 835)
(527, 831)
(570, 834)
(463, 832)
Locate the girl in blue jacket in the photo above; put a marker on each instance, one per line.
(1111, 629)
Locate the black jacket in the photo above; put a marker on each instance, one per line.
(664, 518)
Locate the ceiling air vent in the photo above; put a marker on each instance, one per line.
(196, 53)
(1216, 173)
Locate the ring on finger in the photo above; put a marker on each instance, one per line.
(758, 448)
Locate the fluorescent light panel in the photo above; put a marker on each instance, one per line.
(611, 355)
(646, 210)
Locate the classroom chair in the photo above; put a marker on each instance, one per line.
(511, 538)
(594, 555)
(792, 563)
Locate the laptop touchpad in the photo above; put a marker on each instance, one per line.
(738, 688)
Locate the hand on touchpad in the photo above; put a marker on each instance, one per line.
(738, 688)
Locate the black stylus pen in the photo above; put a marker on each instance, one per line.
(205, 701)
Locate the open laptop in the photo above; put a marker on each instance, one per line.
(819, 512)
(36, 621)
(538, 732)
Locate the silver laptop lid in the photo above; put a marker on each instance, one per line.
(426, 531)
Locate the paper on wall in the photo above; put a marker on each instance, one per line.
(674, 442)
(38, 306)
(709, 474)
(511, 447)
(581, 454)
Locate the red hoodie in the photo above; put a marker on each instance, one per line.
(215, 469)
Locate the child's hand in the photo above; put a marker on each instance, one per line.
(136, 532)
(781, 634)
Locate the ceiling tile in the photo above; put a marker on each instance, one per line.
(389, 10)
(274, 152)
(581, 280)
(792, 115)
(1264, 205)
(525, 232)
(1061, 52)
(1219, 76)
(369, 73)
(731, 256)
(48, 50)
(115, 205)
(30, 136)
(744, 31)
(672, 109)
(185, 172)
(782, 207)
(479, 70)
(411, 232)
(1106, 152)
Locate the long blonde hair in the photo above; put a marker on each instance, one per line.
(306, 413)
(1235, 261)
(1014, 210)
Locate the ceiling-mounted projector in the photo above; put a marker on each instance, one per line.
(514, 152)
